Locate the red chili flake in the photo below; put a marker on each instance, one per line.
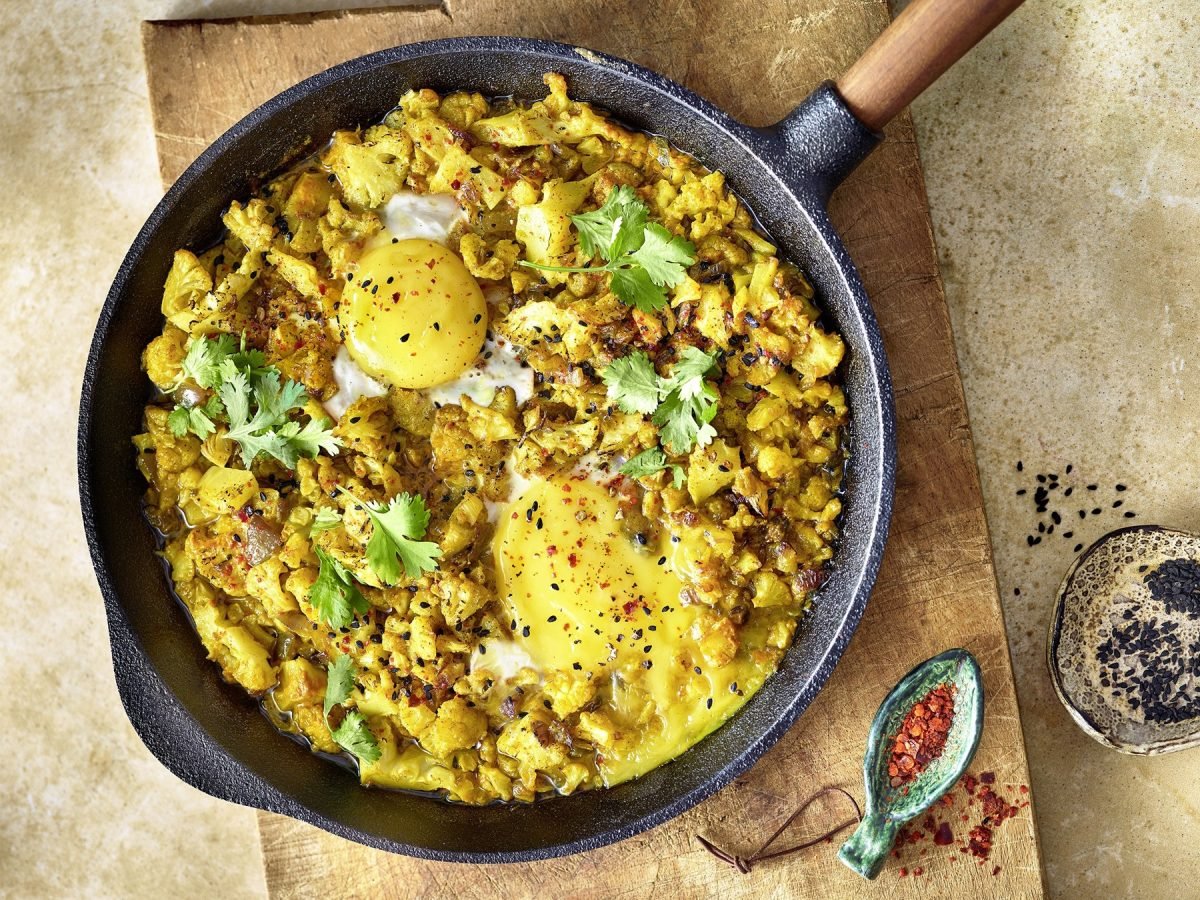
(456, 184)
(629, 607)
(322, 288)
(572, 560)
(980, 842)
(922, 737)
(551, 550)
(987, 777)
(970, 782)
(995, 871)
(943, 836)
(918, 872)
(242, 515)
(903, 872)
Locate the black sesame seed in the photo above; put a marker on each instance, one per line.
(1056, 517)
(1092, 487)
(1041, 479)
(1067, 492)
(1020, 466)
(1121, 487)
(1078, 547)
(1068, 534)
(1096, 511)
(576, 666)
(1130, 515)
(708, 703)
(1022, 492)
(525, 631)
(1117, 503)
(404, 338)
(552, 618)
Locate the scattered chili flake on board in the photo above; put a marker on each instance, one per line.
(977, 838)
(922, 737)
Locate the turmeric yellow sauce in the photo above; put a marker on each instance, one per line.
(494, 448)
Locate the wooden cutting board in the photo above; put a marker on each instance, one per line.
(755, 58)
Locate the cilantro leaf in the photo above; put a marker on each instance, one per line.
(334, 594)
(179, 421)
(354, 735)
(636, 288)
(194, 419)
(632, 383)
(645, 463)
(326, 519)
(398, 526)
(641, 257)
(689, 372)
(682, 406)
(339, 682)
(651, 461)
(663, 256)
(271, 431)
(684, 423)
(615, 228)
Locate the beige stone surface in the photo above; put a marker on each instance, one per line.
(1063, 172)
(1064, 176)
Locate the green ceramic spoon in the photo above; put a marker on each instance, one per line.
(887, 807)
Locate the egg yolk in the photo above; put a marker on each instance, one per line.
(586, 600)
(413, 315)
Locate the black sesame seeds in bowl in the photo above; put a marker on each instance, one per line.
(1124, 643)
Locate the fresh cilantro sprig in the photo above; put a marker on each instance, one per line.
(253, 398)
(354, 735)
(339, 682)
(395, 541)
(682, 405)
(335, 594)
(641, 257)
(396, 531)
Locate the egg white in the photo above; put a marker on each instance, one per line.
(411, 215)
(352, 383)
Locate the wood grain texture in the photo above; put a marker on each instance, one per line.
(937, 587)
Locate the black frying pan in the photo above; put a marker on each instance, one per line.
(209, 733)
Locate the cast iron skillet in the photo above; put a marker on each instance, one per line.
(209, 733)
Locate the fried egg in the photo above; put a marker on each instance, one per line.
(584, 598)
(412, 316)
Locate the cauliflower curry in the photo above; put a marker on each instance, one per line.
(494, 448)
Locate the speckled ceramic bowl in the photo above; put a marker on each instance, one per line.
(209, 733)
(1124, 647)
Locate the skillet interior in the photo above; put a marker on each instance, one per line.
(207, 732)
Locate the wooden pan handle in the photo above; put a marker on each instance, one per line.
(926, 39)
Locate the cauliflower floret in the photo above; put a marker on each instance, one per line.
(252, 224)
(569, 693)
(369, 168)
(187, 283)
(457, 727)
(343, 233)
(163, 356)
(531, 744)
(305, 205)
